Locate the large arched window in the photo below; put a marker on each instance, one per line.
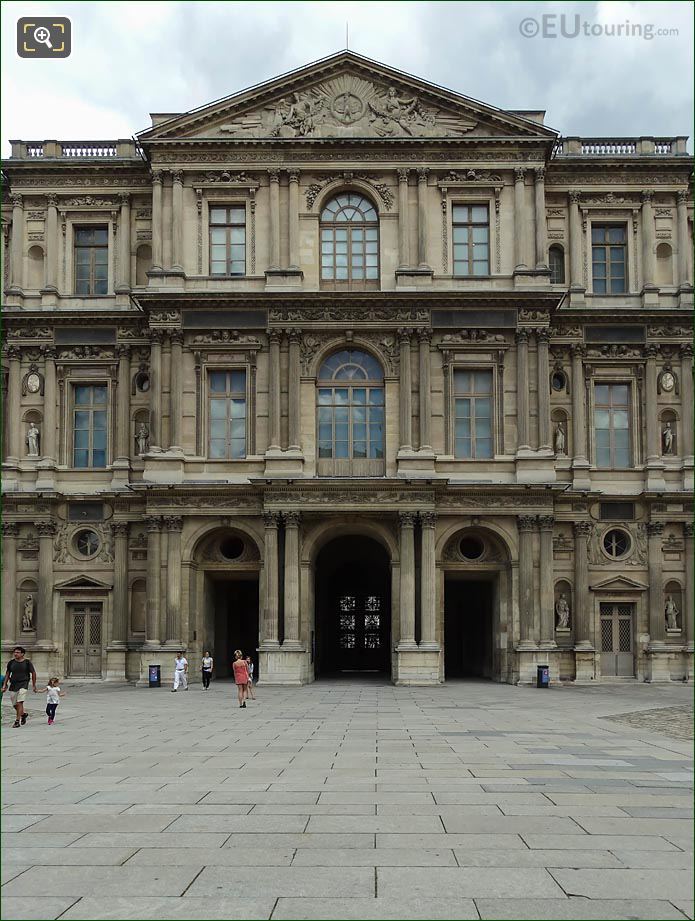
(349, 242)
(350, 414)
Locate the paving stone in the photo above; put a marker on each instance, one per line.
(97, 823)
(107, 881)
(211, 857)
(375, 857)
(652, 860)
(527, 858)
(289, 909)
(303, 882)
(141, 839)
(466, 882)
(66, 856)
(138, 909)
(37, 908)
(570, 909)
(610, 826)
(407, 825)
(626, 884)
(601, 842)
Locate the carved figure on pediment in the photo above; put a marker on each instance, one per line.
(562, 609)
(671, 612)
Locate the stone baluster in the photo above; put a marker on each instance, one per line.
(10, 533)
(177, 219)
(294, 391)
(175, 386)
(425, 395)
(405, 394)
(17, 250)
(522, 391)
(688, 613)
(154, 527)
(274, 390)
(407, 580)
(686, 385)
(422, 214)
(428, 582)
(543, 380)
(648, 241)
(269, 621)
(156, 337)
(582, 601)
(123, 282)
(541, 225)
(403, 220)
(51, 243)
(527, 527)
(291, 639)
(578, 407)
(576, 276)
(14, 383)
(653, 433)
(157, 221)
(519, 219)
(44, 614)
(274, 192)
(655, 560)
(123, 446)
(293, 229)
(685, 253)
(119, 628)
(48, 435)
(546, 524)
(173, 525)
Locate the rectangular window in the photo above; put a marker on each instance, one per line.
(91, 261)
(609, 258)
(617, 511)
(612, 425)
(227, 414)
(228, 240)
(471, 240)
(473, 414)
(90, 419)
(351, 423)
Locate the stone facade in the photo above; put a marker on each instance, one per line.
(176, 467)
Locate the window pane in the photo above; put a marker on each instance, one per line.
(619, 394)
(483, 447)
(83, 395)
(622, 448)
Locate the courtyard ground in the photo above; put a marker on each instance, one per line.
(351, 799)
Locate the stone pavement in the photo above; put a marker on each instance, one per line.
(348, 799)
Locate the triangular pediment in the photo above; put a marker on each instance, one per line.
(341, 97)
(82, 582)
(619, 584)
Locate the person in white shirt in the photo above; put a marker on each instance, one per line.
(53, 695)
(180, 672)
(207, 665)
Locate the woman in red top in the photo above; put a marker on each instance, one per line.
(241, 675)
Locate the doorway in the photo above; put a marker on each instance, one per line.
(85, 640)
(353, 608)
(617, 643)
(468, 646)
(235, 603)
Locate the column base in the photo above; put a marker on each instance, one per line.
(655, 476)
(581, 474)
(664, 664)
(283, 278)
(165, 467)
(115, 663)
(533, 467)
(413, 276)
(415, 666)
(46, 474)
(585, 661)
(284, 464)
(415, 463)
(120, 473)
(283, 666)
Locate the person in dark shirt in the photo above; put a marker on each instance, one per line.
(17, 674)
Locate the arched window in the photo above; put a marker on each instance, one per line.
(556, 257)
(350, 414)
(349, 241)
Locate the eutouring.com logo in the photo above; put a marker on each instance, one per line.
(560, 25)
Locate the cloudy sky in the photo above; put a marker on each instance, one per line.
(130, 59)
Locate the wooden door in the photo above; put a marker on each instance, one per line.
(85, 640)
(617, 640)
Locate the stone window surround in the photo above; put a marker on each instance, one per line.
(615, 376)
(624, 217)
(67, 384)
(230, 197)
(474, 362)
(479, 194)
(78, 220)
(234, 361)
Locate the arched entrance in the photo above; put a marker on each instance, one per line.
(353, 608)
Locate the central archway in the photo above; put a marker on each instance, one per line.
(353, 608)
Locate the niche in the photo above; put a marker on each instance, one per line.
(28, 597)
(32, 440)
(664, 265)
(143, 263)
(668, 425)
(36, 277)
(141, 432)
(560, 428)
(138, 601)
(562, 607)
(673, 595)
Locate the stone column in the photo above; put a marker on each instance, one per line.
(578, 407)
(173, 525)
(650, 406)
(291, 640)
(154, 525)
(648, 238)
(17, 252)
(14, 424)
(527, 526)
(519, 219)
(175, 376)
(274, 390)
(10, 533)
(428, 583)
(44, 614)
(274, 192)
(424, 387)
(407, 584)
(522, 391)
(156, 337)
(688, 613)
(544, 434)
(293, 229)
(405, 394)
(51, 243)
(403, 220)
(269, 621)
(165, 427)
(655, 559)
(685, 268)
(157, 221)
(582, 602)
(422, 227)
(48, 445)
(123, 280)
(177, 219)
(541, 226)
(546, 523)
(123, 446)
(119, 629)
(686, 383)
(294, 394)
(576, 276)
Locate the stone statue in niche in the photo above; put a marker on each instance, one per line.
(33, 440)
(562, 609)
(28, 614)
(560, 438)
(142, 439)
(671, 612)
(667, 439)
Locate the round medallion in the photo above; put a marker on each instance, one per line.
(33, 383)
(347, 108)
(668, 381)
